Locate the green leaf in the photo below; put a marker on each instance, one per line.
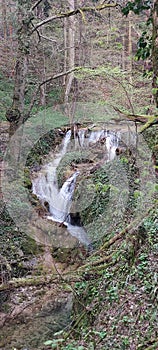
(58, 333)
(48, 342)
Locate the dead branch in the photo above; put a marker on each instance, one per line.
(149, 120)
(132, 117)
(35, 5)
(45, 82)
(97, 262)
(152, 342)
(57, 278)
(129, 228)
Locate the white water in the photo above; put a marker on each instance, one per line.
(112, 141)
(45, 186)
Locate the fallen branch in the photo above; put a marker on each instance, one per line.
(35, 5)
(149, 120)
(97, 262)
(131, 227)
(145, 346)
(37, 281)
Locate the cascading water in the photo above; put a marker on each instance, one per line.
(45, 186)
(112, 141)
(60, 206)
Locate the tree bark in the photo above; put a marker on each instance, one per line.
(155, 51)
(15, 115)
(4, 15)
(71, 54)
(130, 47)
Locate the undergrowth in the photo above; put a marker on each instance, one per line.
(115, 301)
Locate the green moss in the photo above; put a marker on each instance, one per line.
(30, 247)
(67, 162)
(42, 147)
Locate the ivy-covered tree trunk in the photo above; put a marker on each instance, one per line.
(155, 51)
(16, 114)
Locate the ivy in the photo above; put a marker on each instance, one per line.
(144, 46)
(144, 43)
(137, 6)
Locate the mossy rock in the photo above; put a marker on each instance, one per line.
(27, 179)
(69, 163)
(151, 136)
(43, 146)
(30, 247)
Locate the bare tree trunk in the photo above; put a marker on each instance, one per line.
(71, 54)
(123, 53)
(155, 51)
(130, 47)
(65, 48)
(4, 16)
(43, 77)
(16, 113)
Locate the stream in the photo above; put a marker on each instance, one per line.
(37, 312)
(59, 200)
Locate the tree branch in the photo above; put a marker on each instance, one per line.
(74, 12)
(44, 82)
(131, 227)
(147, 119)
(35, 5)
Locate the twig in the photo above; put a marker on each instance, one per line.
(132, 226)
(152, 343)
(97, 262)
(44, 82)
(35, 5)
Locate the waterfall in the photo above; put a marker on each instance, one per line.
(112, 142)
(60, 202)
(45, 185)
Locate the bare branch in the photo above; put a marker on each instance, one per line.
(48, 39)
(36, 4)
(59, 75)
(74, 12)
(45, 82)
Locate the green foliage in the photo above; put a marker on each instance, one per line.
(136, 6)
(144, 46)
(42, 147)
(54, 96)
(55, 343)
(100, 189)
(145, 41)
(6, 90)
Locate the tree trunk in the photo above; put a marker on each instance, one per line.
(71, 54)
(123, 53)
(65, 49)
(4, 16)
(130, 47)
(155, 51)
(16, 114)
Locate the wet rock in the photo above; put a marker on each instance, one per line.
(35, 314)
